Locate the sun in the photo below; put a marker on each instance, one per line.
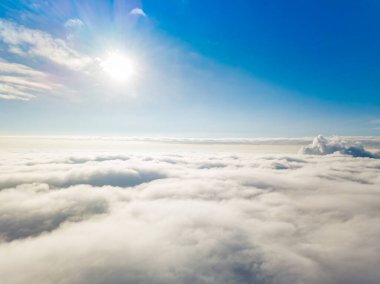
(117, 66)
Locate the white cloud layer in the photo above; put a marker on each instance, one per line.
(102, 217)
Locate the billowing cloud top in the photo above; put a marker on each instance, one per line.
(323, 146)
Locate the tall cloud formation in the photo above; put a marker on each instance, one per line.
(324, 146)
(99, 217)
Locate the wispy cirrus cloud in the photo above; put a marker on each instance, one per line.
(26, 42)
(375, 123)
(73, 23)
(20, 82)
(23, 82)
(19, 69)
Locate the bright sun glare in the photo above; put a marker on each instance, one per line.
(117, 66)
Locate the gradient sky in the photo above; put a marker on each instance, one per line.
(201, 68)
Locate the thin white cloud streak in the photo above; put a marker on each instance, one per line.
(73, 23)
(20, 82)
(8, 92)
(375, 121)
(24, 83)
(28, 42)
(208, 218)
(19, 69)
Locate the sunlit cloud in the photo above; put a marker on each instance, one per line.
(325, 146)
(137, 11)
(28, 43)
(18, 69)
(20, 82)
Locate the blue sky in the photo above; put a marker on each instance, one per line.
(199, 68)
